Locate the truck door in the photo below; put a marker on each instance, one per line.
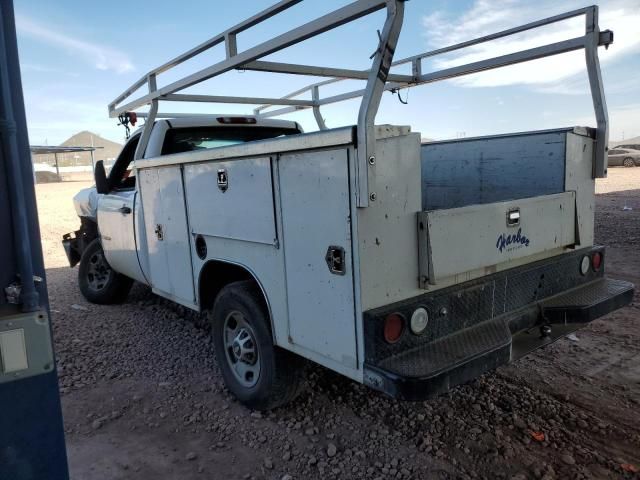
(116, 216)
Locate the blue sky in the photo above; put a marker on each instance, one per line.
(76, 56)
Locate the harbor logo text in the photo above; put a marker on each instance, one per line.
(511, 242)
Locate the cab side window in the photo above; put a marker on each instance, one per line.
(122, 176)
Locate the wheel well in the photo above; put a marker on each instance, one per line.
(215, 275)
(83, 237)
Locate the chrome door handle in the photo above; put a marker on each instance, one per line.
(125, 210)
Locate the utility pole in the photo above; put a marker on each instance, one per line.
(55, 156)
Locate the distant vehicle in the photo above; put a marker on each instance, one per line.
(44, 173)
(624, 157)
(632, 146)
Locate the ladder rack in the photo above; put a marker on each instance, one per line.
(378, 78)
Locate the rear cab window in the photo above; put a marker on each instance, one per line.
(188, 139)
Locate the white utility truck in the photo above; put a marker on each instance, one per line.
(407, 266)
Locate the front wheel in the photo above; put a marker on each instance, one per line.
(99, 283)
(628, 162)
(261, 375)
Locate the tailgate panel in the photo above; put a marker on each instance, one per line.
(459, 240)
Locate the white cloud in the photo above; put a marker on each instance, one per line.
(100, 56)
(490, 16)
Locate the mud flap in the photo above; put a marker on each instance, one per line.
(70, 244)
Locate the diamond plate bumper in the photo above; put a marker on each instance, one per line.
(588, 302)
(430, 367)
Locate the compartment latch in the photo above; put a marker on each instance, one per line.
(159, 232)
(223, 179)
(335, 260)
(513, 217)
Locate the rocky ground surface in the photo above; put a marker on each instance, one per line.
(143, 396)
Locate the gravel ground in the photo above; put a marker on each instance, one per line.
(143, 396)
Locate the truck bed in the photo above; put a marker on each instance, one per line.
(479, 170)
(471, 186)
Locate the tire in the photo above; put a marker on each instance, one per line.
(99, 283)
(261, 375)
(628, 162)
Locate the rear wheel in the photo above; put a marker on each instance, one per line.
(99, 283)
(261, 375)
(628, 162)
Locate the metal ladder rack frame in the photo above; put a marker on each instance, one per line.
(378, 78)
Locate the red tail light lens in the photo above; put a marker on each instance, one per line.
(596, 261)
(393, 327)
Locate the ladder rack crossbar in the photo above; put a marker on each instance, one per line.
(237, 60)
(418, 78)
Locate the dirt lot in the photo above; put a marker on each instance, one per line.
(143, 397)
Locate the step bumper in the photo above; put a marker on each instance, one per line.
(432, 368)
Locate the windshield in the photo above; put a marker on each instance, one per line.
(178, 140)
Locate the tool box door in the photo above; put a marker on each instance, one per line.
(167, 230)
(459, 240)
(314, 192)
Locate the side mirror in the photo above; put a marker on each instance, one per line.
(102, 183)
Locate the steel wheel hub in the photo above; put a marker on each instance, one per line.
(99, 272)
(241, 349)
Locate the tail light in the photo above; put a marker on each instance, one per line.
(393, 327)
(419, 320)
(585, 264)
(596, 261)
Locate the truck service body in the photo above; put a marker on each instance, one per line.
(407, 266)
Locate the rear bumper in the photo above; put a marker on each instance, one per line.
(432, 366)
(402, 377)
